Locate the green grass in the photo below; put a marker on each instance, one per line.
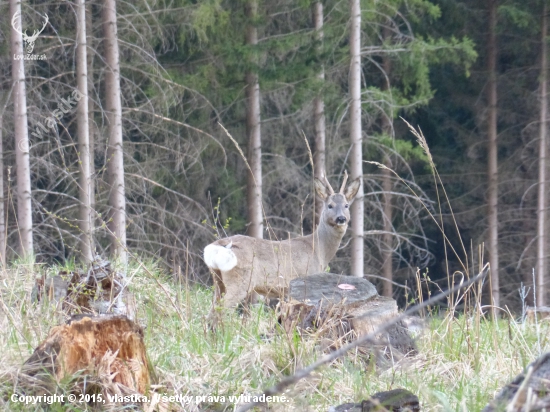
(462, 362)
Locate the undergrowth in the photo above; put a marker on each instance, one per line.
(463, 360)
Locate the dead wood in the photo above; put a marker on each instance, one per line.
(340, 308)
(529, 391)
(98, 290)
(396, 400)
(106, 352)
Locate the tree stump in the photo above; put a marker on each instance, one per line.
(108, 350)
(339, 308)
(529, 391)
(98, 290)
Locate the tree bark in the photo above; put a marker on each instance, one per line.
(542, 235)
(253, 130)
(23, 170)
(492, 170)
(115, 160)
(319, 109)
(91, 104)
(86, 218)
(387, 237)
(356, 156)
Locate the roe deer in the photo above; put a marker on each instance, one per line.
(241, 264)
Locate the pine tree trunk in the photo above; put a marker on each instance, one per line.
(115, 160)
(387, 186)
(23, 170)
(253, 130)
(319, 110)
(542, 236)
(356, 156)
(492, 171)
(86, 219)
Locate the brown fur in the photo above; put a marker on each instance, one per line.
(267, 267)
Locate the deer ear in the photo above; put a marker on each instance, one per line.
(321, 189)
(351, 190)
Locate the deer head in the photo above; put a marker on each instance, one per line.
(29, 40)
(336, 205)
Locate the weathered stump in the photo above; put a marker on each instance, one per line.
(529, 391)
(340, 308)
(98, 290)
(109, 351)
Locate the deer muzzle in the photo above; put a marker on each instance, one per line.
(341, 220)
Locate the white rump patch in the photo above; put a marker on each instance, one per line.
(219, 258)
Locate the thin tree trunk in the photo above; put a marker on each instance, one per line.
(542, 238)
(492, 171)
(24, 200)
(356, 156)
(319, 110)
(91, 104)
(387, 238)
(2, 200)
(86, 219)
(115, 160)
(254, 183)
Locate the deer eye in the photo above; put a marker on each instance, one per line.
(347, 205)
(329, 206)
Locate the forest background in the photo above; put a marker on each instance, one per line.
(470, 74)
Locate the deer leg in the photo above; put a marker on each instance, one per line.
(235, 293)
(219, 287)
(219, 290)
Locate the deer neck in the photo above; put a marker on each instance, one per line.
(326, 242)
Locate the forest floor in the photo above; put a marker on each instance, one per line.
(463, 360)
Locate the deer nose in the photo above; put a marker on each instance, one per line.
(341, 220)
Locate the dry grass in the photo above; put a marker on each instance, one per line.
(463, 359)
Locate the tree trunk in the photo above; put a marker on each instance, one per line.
(3, 232)
(253, 130)
(86, 219)
(91, 104)
(319, 109)
(356, 156)
(542, 235)
(23, 170)
(492, 171)
(387, 238)
(115, 160)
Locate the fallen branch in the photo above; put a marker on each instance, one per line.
(371, 337)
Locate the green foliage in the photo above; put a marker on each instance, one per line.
(409, 151)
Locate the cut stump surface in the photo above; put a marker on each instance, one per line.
(340, 307)
(324, 286)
